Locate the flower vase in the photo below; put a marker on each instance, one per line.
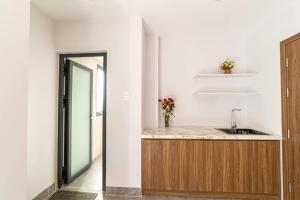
(227, 71)
(167, 121)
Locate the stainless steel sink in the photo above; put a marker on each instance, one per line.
(241, 131)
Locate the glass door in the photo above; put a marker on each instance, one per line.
(78, 120)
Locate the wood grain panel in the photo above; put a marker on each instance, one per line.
(293, 53)
(290, 78)
(284, 108)
(200, 167)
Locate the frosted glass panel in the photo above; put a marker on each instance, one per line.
(80, 139)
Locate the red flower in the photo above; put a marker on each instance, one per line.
(167, 105)
(171, 99)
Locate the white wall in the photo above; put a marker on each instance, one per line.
(93, 63)
(42, 104)
(263, 53)
(150, 84)
(111, 35)
(185, 53)
(136, 43)
(14, 35)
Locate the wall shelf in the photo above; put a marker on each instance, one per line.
(207, 92)
(241, 75)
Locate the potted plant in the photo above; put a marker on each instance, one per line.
(227, 66)
(168, 105)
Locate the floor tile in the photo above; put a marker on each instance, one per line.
(90, 180)
(69, 195)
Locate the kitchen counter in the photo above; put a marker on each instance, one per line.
(202, 133)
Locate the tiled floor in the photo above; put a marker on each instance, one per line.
(69, 195)
(133, 196)
(90, 180)
(125, 197)
(119, 193)
(111, 197)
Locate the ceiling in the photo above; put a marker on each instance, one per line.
(164, 13)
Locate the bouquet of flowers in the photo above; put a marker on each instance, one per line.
(168, 105)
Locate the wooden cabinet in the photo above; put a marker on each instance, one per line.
(211, 168)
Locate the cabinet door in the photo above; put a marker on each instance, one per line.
(210, 167)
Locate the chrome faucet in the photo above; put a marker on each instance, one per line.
(233, 120)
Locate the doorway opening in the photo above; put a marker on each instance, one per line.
(82, 122)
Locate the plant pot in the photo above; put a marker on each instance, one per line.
(227, 71)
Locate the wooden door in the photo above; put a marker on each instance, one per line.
(290, 73)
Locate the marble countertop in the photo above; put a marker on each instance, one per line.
(204, 133)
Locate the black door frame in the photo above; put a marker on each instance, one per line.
(61, 100)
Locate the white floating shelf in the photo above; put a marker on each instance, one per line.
(246, 75)
(202, 92)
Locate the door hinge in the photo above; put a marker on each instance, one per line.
(290, 187)
(287, 92)
(65, 69)
(65, 101)
(286, 62)
(288, 133)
